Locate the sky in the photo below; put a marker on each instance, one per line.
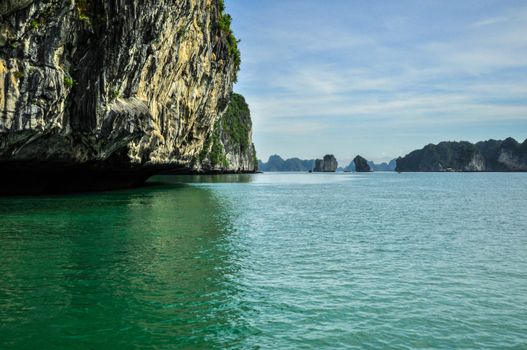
(380, 78)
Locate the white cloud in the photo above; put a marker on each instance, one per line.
(307, 77)
(490, 21)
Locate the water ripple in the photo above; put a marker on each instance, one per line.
(278, 261)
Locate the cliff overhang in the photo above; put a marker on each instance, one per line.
(98, 90)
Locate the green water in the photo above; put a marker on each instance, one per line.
(270, 261)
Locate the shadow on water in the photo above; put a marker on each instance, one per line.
(151, 267)
(178, 179)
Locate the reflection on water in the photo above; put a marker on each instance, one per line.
(226, 178)
(148, 267)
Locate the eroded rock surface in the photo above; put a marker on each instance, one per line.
(9, 6)
(112, 84)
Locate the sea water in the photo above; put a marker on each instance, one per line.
(270, 261)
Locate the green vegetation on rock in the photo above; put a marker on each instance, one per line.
(82, 7)
(34, 24)
(217, 153)
(236, 123)
(231, 138)
(116, 94)
(224, 24)
(19, 75)
(69, 81)
(213, 149)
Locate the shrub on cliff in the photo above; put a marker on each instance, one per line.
(236, 123)
(224, 25)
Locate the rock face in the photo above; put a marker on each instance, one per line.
(115, 89)
(8, 6)
(361, 165)
(328, 164)
(319, 165)
(230, 147)
(491, 155)
(507, 155)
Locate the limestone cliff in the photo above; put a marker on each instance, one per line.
(113, 87)
(329, 164)
(361, 165)
(230, 147)
(491, 155)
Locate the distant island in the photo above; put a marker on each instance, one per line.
(492, 155)
(276, 163)
(361, 165)
(384, 166)
(328, 164)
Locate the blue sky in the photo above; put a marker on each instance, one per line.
(380, 78)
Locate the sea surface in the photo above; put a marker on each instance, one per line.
(270, 261)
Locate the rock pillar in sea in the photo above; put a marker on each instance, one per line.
(361, 165)
(328, 164)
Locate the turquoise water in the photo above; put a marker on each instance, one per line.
(270, 261)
